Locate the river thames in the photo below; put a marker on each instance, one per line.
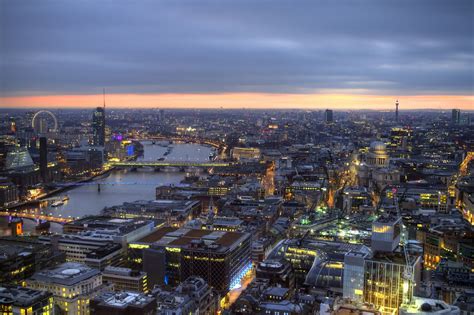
(125, 185)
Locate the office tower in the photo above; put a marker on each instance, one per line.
(456, 117)
(43, 161)
(161, 116)
(396, 111)
(171, 255)
(328, 117)
(389, 280)
(388, 277)
(98, 127)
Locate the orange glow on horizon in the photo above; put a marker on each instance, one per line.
(243, 100)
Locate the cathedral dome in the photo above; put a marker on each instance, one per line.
(378, 146)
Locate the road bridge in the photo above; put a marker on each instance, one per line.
(213, 143)
(206, 164)
(35, 216)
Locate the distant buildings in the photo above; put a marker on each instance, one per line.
(82, 160)
(396, 111)
(455, 117)
(43, 160)
(328, 116)
(8, 192)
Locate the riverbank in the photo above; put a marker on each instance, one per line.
(56, 191)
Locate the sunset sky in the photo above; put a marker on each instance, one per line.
(238, 53)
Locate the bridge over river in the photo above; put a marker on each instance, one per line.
(206, 164)
(36, 216)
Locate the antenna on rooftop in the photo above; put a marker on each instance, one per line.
(104, 97)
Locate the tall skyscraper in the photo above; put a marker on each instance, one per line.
(328, 117)
(98, 127)
(396, 111)
(12, 125)
(161, 116)
(456, 117)
(43, 161)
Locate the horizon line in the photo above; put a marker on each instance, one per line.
(243, 101)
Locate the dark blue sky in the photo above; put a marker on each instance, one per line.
(375, 46)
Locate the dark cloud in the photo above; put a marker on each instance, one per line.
(400, 46)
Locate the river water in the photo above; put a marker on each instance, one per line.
(126, 185)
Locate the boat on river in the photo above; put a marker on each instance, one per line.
(57, 203)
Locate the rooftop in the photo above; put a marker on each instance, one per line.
(69, 273)
(124, 299)
(183, 237)
(20, 296)
(108, 224)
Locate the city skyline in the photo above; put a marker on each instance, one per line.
(239, 54)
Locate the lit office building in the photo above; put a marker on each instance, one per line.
(78, 248)
(19, 300)
(126, 279)
(389, 280)
(386, 279)
(246, 153)
(355, 197)
(172, 255)
(21, 257)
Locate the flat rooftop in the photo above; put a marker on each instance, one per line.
(182, 237)
(20, 296)
(68, 274)
(104, 223)
(124, 299)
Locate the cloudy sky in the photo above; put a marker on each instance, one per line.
(232, 53)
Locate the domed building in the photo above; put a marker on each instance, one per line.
(376, 170)
(378, 156)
